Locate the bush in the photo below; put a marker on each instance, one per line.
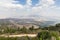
(43, 35)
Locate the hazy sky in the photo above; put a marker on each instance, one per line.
(30, 8)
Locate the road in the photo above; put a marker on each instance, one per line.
(20, 35)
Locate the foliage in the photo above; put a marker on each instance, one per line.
(18, 38)
(43, 35)
(31, 28)
(55, 34)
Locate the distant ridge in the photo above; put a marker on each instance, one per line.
(40, 22)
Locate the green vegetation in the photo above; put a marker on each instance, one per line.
(18, 30)
(45, 33)
(19, 38)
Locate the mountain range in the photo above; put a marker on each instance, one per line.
(24, 21)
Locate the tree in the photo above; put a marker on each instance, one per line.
(18, 29)
(31, 28)
(43, 35)
(24, 29)
(57, 25)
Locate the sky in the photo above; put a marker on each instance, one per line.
(45, 9)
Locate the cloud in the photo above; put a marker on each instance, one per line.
(46, 3)
(8, 8)
(9, 4)
(44, 9)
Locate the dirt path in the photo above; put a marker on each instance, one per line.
(20, 35)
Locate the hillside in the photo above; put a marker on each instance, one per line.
(26, 21)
